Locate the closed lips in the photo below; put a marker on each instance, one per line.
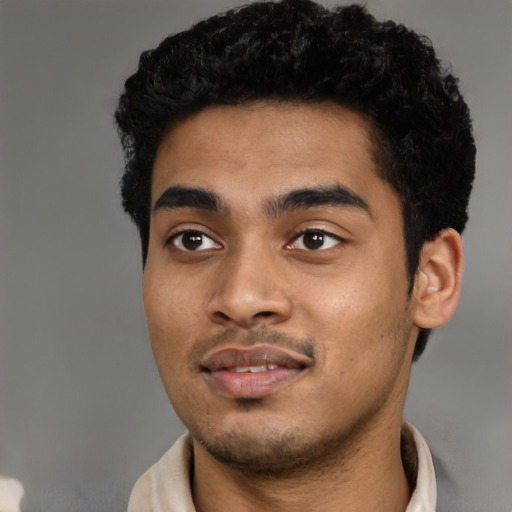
(254, 359)
(253, 372)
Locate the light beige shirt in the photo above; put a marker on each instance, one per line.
(11, 493)
(165, 487)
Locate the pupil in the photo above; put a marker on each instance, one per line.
(314, 240)
(192, 240)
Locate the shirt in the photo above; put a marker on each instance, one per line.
(165, 487)
(11, 493)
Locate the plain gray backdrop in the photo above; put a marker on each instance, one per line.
(82, 410)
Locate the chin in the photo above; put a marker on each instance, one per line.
(272, 452)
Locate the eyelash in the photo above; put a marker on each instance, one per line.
(325, 234)
(176, 236)
(175, 241)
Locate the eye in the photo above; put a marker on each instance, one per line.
(313, 240)
(192, 240)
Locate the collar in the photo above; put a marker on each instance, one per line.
(417, 460)
(165, 487)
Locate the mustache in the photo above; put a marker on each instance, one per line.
(249, 339)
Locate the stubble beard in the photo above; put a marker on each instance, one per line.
(276, 453)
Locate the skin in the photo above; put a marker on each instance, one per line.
(331, 433)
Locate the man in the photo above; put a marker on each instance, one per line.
(300, 179)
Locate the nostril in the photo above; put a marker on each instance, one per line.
(247, 320)
(221, 316)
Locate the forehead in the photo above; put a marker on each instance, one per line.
(248, 153)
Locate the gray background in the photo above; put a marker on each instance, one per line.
(82, 411)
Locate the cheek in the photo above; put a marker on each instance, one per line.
(348, 302)
(170, 323)
(170, 301)
(172, 314)
(357, 319)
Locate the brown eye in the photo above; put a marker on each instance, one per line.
(192, 240)
(314, 240)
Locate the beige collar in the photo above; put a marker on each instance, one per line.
(165, 487)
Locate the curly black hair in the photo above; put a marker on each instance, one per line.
(299, 52)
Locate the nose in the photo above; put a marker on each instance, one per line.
(249, 291)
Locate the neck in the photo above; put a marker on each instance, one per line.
(367, 475)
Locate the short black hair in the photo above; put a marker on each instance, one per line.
(299, 52)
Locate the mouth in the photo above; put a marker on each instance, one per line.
(253, 372)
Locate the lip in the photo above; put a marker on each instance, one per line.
(226, 370)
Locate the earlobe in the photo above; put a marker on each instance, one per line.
(438, 280)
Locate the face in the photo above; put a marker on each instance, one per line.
(275, 286)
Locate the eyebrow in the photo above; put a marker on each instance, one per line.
(178, 196)
(302, 199)
(188, 197)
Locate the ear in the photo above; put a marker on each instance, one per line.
(438, 280)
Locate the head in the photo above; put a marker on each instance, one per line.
(301, 53)
(299, 177)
